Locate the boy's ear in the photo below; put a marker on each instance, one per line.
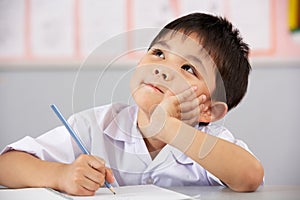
(216, 110)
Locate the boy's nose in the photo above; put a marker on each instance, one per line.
(163, 73)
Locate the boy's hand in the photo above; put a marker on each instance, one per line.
(84, 176)
(184, 106)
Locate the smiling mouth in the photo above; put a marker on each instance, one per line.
(154, 87)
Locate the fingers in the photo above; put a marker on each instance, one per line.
(185, 106)
(188, 94)
(89, 184)
(97, 163)
(109, 175)
(89, 174)
(191, 105)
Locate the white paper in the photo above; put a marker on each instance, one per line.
(31, 193)
(138, 192)
(101, 21)
(253, 19)
(145, 15)
(52, 28)
(12, 27)
(216, 7)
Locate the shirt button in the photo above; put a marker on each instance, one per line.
(149, 181)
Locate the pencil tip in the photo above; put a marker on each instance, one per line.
(112, 190)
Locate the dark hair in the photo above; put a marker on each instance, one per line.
(225, 46)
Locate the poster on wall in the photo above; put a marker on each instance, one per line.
(69, 30)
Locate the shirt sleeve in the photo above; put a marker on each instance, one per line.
(55, 145)
(225, 134)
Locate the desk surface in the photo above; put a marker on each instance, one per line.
(214, 192)
(263, 193)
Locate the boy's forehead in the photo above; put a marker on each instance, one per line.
(177, 41)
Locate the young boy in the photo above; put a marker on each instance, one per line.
(194, 72)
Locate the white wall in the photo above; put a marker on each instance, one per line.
(267, 118)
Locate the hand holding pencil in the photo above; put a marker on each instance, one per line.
(87, 173)
(84, 176)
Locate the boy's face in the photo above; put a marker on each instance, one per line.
(174, 63)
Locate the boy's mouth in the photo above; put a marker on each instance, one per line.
(154, 87)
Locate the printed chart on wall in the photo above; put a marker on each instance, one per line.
(68, 30)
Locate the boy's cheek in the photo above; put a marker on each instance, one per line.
(176, 89)
(179, 86)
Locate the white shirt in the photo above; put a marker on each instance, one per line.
(111, 132)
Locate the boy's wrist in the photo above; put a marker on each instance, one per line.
(177, 134)
(58, 180)
(154, 126)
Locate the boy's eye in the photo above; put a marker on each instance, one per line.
(158, 52)
(189, 69)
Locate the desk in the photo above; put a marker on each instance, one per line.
(200, 192)
(263, 193)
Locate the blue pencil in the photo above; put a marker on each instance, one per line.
(77, 139)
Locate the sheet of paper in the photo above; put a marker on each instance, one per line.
(101, 21)
(31, 193)
(216, 7)
(52, 28)
(12, 26)
(137, 192)
(145, 15)
(253, 15)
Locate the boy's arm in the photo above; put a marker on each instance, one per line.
(232, 164)
(82, 177)
(19, 169)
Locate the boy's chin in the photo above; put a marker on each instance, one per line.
(146, 103)
(147, 108)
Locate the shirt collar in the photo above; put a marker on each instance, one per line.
(123, 126)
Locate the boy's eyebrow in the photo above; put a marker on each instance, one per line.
(200, 66)
(163, 43)
(195, 59)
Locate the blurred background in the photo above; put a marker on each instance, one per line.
(80, 53)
